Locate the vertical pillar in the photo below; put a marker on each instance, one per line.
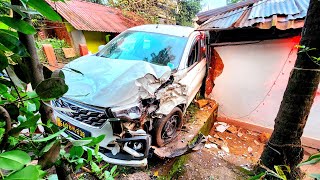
(83, 49)
(49, 52)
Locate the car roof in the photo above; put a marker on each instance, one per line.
(174, 30)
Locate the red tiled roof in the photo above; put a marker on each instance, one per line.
(89, 16)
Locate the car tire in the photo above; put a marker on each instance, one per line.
(165, 129)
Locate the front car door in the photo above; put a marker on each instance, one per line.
(194, 66)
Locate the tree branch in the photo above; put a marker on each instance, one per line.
(5, 115)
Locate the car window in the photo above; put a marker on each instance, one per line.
(160, 49)
(194, 54)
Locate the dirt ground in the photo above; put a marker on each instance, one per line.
(224, 157)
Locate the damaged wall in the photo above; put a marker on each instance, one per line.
(253, 81)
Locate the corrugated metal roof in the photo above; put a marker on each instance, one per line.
(264, 14)
(88, 16)
(225, 20)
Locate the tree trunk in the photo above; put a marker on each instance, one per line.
(4, 115)
(33, 64)
(284, 146)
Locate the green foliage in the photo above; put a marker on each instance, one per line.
(12, 43)
(304, 49)
(14, 160)
(56, 43)
(80, 148)
(30, 172)
(22, 106)
(42, 7)
(51, 88)
(52, 136)
(18, 25)
(187, 11)
(313, 159)
(147, 9)
(281, 170)
(234, 1)
(3, 61)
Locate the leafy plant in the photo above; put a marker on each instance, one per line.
(304, 49)
(280, 171)
(187, 11)
(20, 109)
(93, 161)
(56, 43)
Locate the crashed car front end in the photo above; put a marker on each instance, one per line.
(121, 145)
(126, 118)
(129, 91)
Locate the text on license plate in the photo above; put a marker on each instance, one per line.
(78, 131)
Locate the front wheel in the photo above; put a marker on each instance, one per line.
(167, 127)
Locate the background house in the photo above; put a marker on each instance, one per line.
(254, 50)
(88, 23)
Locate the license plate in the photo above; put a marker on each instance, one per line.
(70, 127)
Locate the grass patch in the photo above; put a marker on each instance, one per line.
(190, 115)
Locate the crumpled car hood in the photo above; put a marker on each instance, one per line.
(109, 82)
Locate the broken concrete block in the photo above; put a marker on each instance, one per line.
(222, 128)
(225, 148)
(232, 129)
(264, 137)
(211, 145)
(201, 103)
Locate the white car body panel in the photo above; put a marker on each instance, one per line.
(122, 84)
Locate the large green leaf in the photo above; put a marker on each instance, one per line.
(315, 158)
(258, 176)
(95, 140)
(51, 136)
(52, 88)
(76, 152)
(14, 160)
(18, 25)
(12, 43)
(3, 61)
(43, 7)
(28, 173)
(3, 88)
(80, 142)
(280, 172)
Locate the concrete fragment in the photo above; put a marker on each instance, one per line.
(225, 148)
(264, 137)
(256, 142)
(222, 128)
(232, 129)
(201, 103)
(211, 145)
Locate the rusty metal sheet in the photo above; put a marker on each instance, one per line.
(263, 14)
(95, 17)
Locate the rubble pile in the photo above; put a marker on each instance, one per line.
(228, 139)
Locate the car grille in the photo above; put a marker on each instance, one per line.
(88, 115)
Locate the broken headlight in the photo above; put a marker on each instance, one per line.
(131, 112)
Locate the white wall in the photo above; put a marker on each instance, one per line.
(249, 74)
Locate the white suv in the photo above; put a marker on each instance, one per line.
(135, 90)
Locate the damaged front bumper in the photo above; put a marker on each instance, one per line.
(128, 148)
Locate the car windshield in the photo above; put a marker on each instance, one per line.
(155, 48)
